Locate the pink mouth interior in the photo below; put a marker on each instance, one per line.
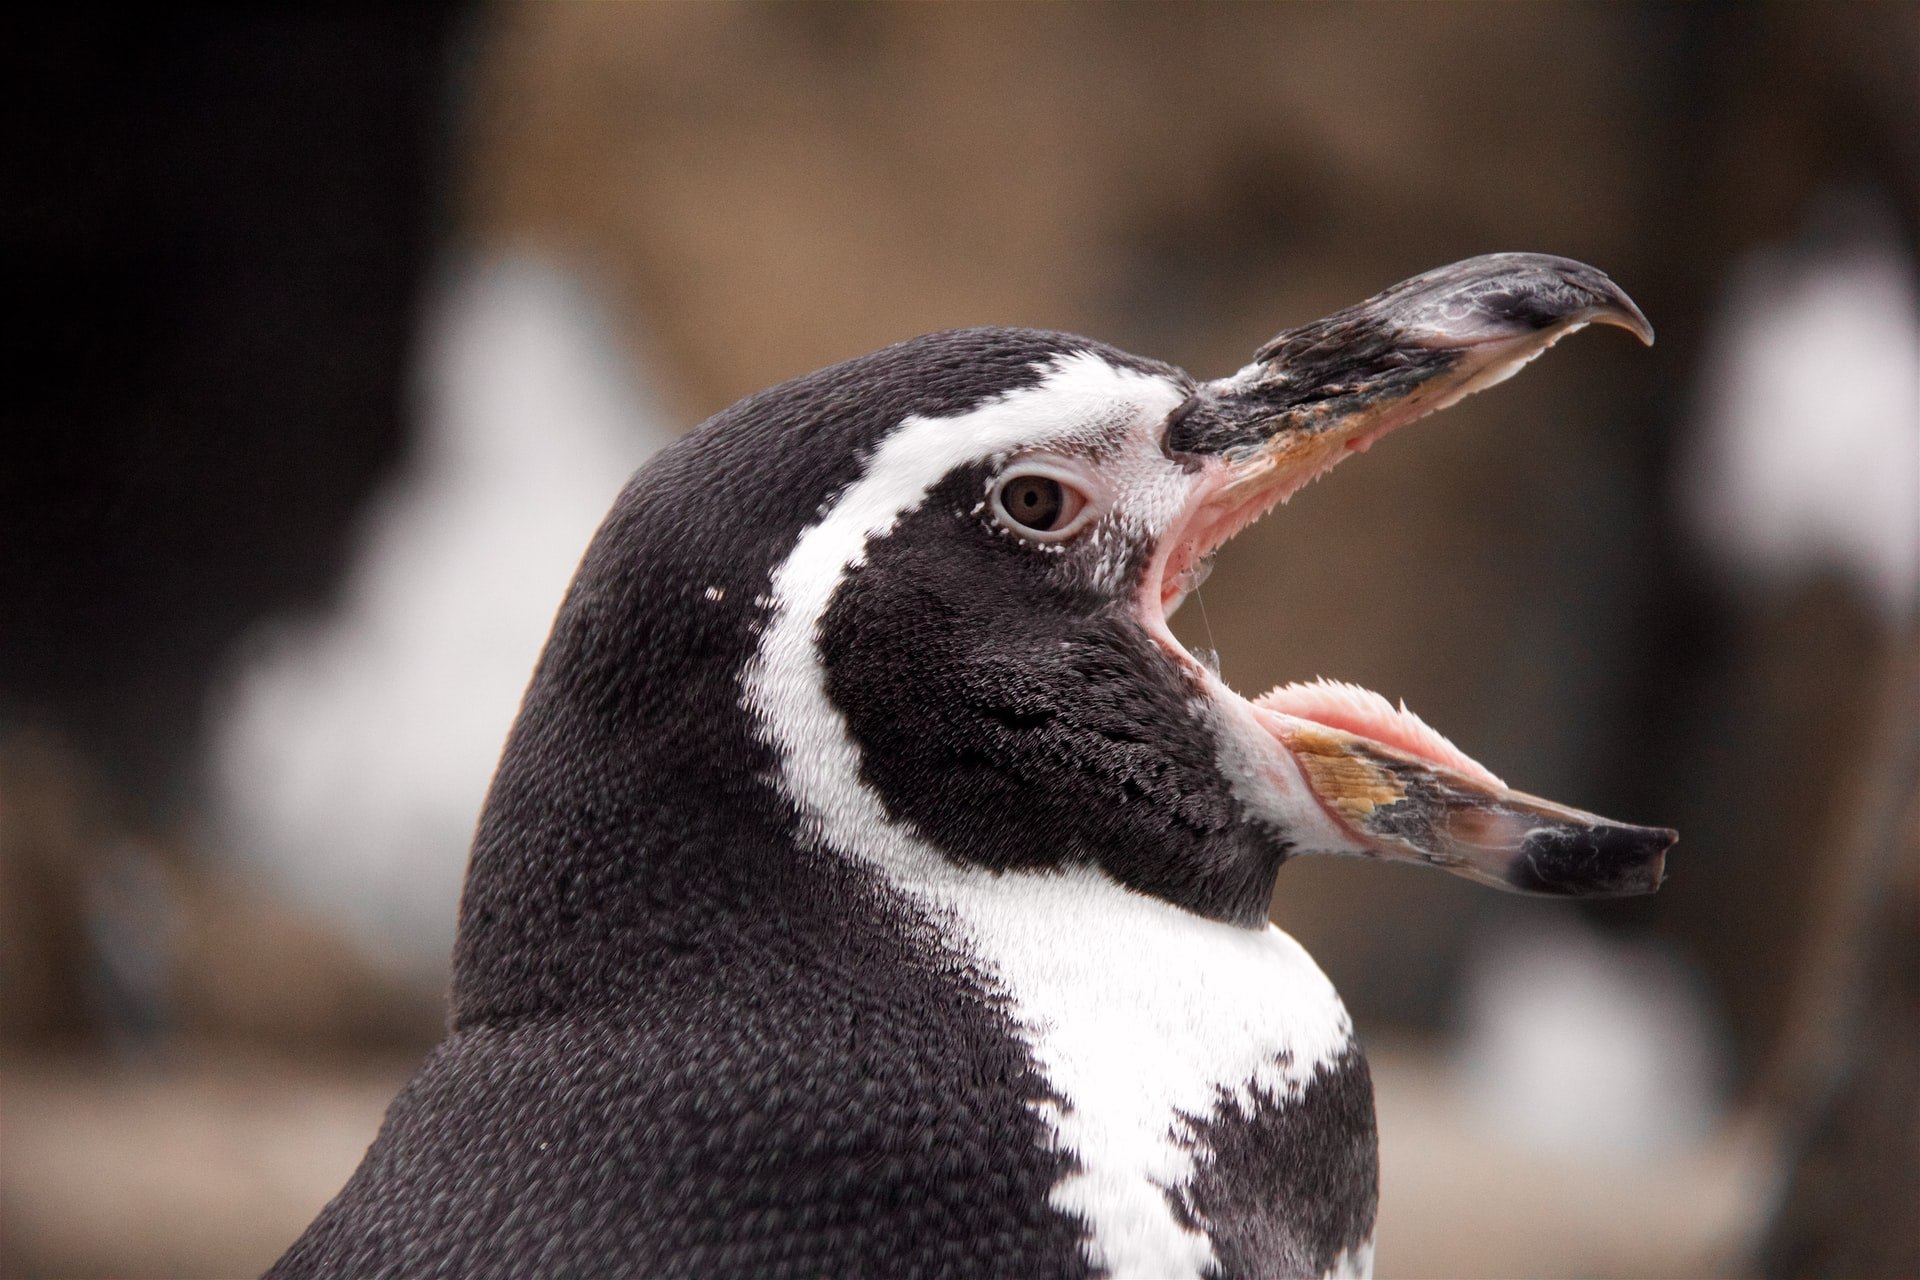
(1349, 708)
(1333, 704)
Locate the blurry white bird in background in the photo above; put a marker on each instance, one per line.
(1805, 453)
(1588, 1046)
(351, 752)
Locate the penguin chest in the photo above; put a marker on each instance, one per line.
(1205, 1079)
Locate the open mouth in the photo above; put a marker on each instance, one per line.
(1391, 785)
(1231, 502)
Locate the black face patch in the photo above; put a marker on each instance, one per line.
(1287, 1189)
(1012, 710)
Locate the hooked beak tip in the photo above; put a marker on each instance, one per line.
(1504, 296)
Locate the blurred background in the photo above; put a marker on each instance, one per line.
(335, 336)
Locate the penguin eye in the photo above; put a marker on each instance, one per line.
(1038, 505)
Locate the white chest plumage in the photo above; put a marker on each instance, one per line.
(1141, 1016)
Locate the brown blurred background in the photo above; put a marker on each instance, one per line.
(335, 336)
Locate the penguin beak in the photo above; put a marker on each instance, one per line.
(1403, 807)
(1391, 786)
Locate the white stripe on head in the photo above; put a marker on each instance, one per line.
(1083, 400)
(1138, 1013)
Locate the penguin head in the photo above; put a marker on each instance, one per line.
(910, 612)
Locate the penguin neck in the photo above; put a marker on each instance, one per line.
(630, 828)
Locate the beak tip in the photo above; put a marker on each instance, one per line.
(1561, 292)
(1513, 295)
(1622, 312)
(1605, 861)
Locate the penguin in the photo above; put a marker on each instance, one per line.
(872, 885)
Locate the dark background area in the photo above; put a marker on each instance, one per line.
(222, 232)
(217, 235)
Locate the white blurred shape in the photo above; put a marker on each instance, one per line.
(1806, 452)
(352, 753)
(1583, 1045)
